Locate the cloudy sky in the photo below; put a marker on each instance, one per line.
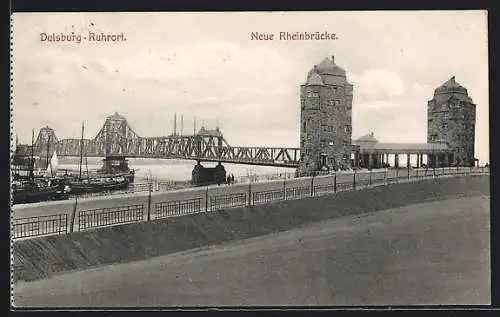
(206, 64)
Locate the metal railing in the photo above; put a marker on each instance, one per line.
(103, 217)
(320, 190)
(228, 201)
(38, 226)
(297, 192)
(287, 190)
(267, 196)
(177, 208)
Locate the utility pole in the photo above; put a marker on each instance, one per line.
(194, 126)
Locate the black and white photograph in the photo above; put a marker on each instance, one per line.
(250, 159)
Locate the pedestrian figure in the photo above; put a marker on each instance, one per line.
(228, 179)
(232, 178)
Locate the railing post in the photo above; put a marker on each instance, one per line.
(284, 190)
(250, 194)
(335, 182)
(354, 180)
(370, 179)
(397, 175)
(73, 215)
(386, 181)
(206, 200)
(149, 202)
(59, 224)
(312, 186)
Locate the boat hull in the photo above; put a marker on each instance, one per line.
(78, 188)
(32, 195)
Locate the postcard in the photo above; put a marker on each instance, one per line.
(239, 159)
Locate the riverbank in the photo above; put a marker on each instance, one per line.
(43, 257)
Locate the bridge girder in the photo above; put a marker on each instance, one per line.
(117, 137)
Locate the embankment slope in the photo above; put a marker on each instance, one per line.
(47, 256)
(436, 252)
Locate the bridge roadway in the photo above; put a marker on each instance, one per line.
(430, 253)
(344, 179)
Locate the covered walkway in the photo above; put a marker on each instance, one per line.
(369, 153)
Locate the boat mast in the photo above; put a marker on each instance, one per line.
(48, 150)
(32, 162)
(87, 164)
(175, 123)
(81, 155)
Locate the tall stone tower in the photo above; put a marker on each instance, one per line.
(326, 119)
(451, 117)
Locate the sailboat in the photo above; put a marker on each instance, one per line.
(52, 166)
(33, 189)
(95, 184)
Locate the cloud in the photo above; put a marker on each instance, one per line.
(211, 80)
(377, 84)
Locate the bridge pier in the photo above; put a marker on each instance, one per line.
(208, 175)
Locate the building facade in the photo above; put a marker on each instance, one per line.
(326, 119)
(451, 118)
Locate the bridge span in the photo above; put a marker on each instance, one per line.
(116, 137)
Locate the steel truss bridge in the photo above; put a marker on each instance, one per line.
(116, 137)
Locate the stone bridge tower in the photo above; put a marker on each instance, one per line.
(326, 119)
(451, 118)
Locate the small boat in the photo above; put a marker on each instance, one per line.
(36, 190)
(98, 185)
(115, 175)
(114, 183)
(29, 188)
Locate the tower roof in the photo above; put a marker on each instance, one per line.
(314, 79)
(326, 73)
(451, 86)
(328, 67)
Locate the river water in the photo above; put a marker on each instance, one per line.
(173, 169)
